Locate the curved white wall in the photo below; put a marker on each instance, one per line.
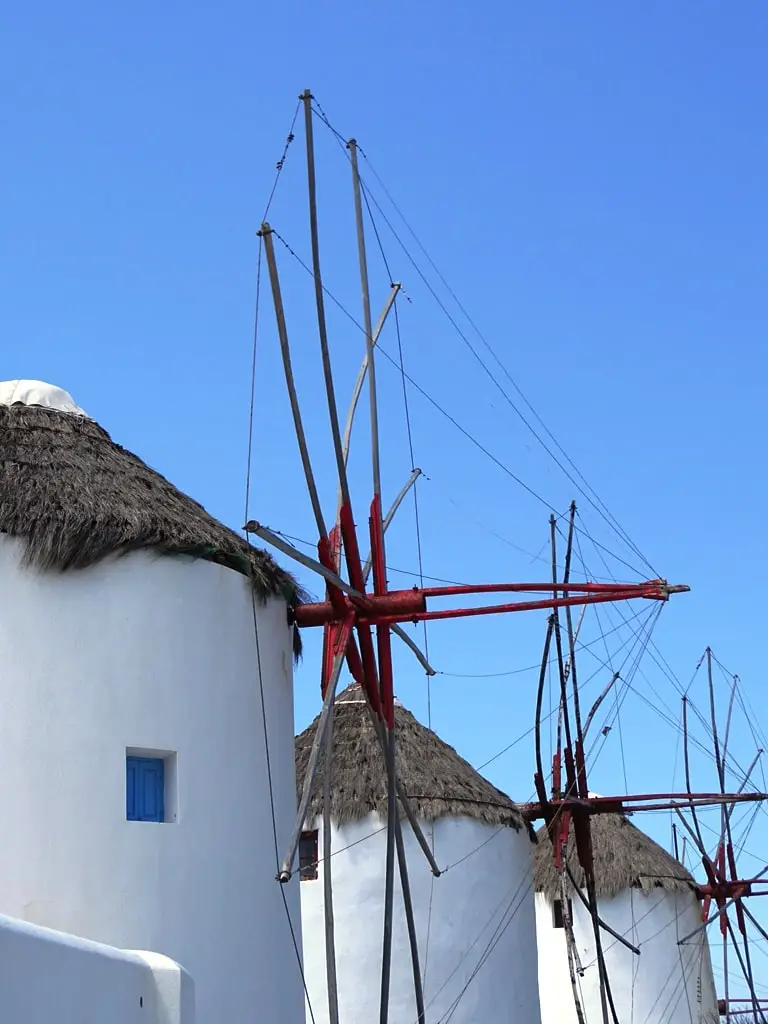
(48, 976)
(159, 653)
(666, 984)
(482, 921)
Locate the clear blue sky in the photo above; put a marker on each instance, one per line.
(591, 181)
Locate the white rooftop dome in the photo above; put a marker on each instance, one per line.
(37, 392)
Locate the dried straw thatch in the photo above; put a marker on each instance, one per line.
(625, 858)
(76, 497)
(439, 783)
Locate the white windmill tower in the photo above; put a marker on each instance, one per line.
(477, 917)
(147, 665)
(647, 903)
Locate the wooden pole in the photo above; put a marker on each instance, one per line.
(363, 370)
(571, 948)
(363, 261)
(286, 867)
(282, 331)
(306, 97)
(413, 940)
(330, 940)
(389, 749)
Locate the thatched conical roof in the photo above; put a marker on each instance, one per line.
(76, 497)
(438, 782)
(625, 858)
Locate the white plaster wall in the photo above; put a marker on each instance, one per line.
(150, 652)
(482, 910)
(666, 984)
(46, 976)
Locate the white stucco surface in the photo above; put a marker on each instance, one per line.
(665, 984)
(37, 392)
(156, 654)
(481, 923)
(47, 977)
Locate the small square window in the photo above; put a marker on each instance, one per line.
(557, 914)
(308, 856)
(150, 785)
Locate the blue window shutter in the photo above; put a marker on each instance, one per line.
(146, 788)
(152, 790)
(131, 789)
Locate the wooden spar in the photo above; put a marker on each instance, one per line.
(389, 878)
(420, 837)
(410, 642)
(603, 974)
(384, 735)
(756, 923)
(363, 261)
(415, 474)
(728, 719)
(278, 542)
(576, 636)
(363, 370)
(745, 780)
(380, 587)
(606, 927)
(571, 950)
(540, 787)
(286, 867)
(306, 98)
(390, 515)
(745, 963)
(282, 332)
(559, 643)
(410, 921)
(330, 939)
(600, 698)
(697, 836)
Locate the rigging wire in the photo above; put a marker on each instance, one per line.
(443, 411)
(519, 895)
(618, 699)
(596, 502)
(538, 557)
(656, 656)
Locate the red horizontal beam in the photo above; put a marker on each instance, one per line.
(530, 606)
(396, 606)
(411, 605)
(661, 589)
(650, 802)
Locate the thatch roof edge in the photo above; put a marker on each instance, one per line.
(624, 858)
(439, 782)
(76, 497)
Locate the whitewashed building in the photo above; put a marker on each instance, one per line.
(646, 896)
(475, 923)
(134, 794)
